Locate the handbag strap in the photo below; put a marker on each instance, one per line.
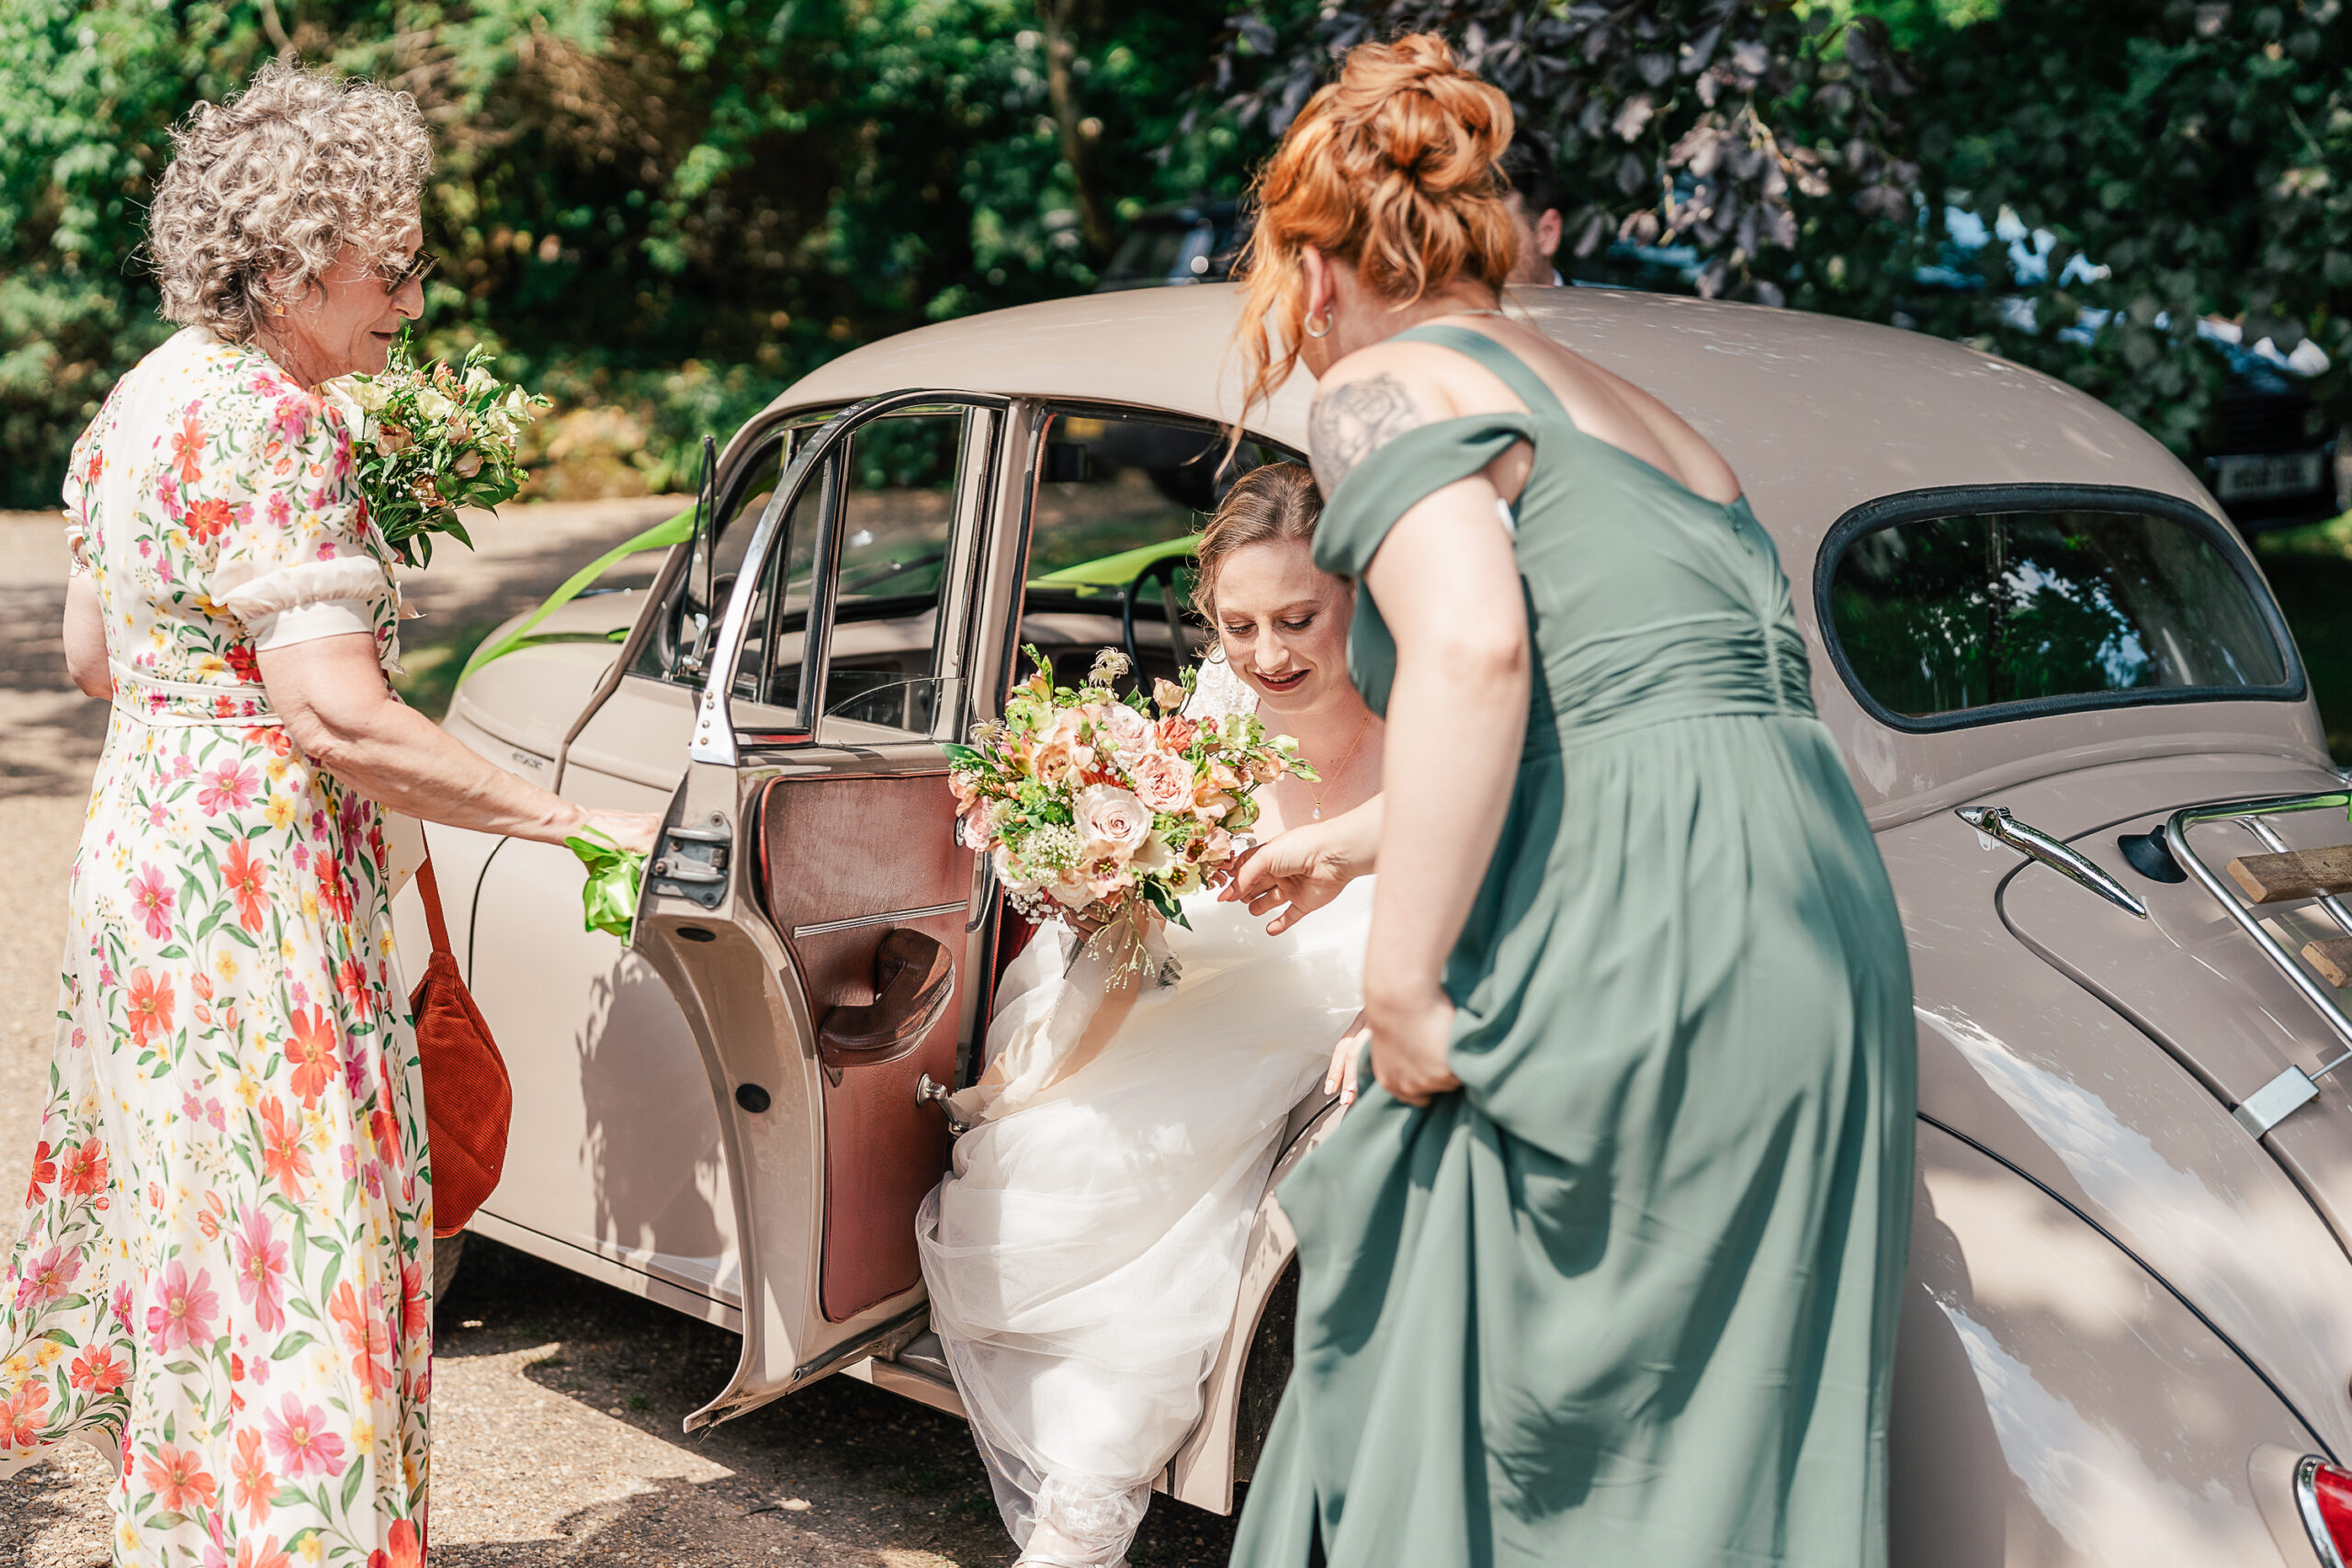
(430, 892)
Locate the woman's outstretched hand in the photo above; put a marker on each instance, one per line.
(1302, 870)
(629, 830)
(1408, 1048)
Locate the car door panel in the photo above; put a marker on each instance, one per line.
(846, 859)
(614, 1146)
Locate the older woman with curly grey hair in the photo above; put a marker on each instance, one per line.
(226, 1264)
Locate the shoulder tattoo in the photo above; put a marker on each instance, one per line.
(1354, 420)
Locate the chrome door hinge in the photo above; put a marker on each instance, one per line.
(693, 861)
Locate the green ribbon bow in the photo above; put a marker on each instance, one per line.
(614, 875)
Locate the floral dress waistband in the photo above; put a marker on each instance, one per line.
(162, 703)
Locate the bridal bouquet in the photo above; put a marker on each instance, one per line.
(1098, 810)
(430, 438)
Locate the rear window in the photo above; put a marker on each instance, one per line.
(1947, 618)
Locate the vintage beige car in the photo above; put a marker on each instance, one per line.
(2079, 726)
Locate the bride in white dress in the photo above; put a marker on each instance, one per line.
(1084, 1252)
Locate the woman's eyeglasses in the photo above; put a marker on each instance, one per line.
(397, 277)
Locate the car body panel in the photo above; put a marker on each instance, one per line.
(2055, 1405)
(2025, 1062)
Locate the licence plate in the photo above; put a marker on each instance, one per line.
(2264, 475)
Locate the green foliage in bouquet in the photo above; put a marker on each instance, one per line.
(431, 438)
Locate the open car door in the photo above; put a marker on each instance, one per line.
(807, 903)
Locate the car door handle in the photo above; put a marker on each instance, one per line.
(1995, 822)
(913, 981)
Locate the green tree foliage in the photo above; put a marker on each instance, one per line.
(674, 205)
(2199, 153)
(1715, 122)
(678, 204)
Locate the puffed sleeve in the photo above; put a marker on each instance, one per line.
(291, 564)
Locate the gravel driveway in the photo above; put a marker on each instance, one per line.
(557, 1402)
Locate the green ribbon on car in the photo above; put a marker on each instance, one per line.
(609, 897)
(1118, 570)
(675, 531)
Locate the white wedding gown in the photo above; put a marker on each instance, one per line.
(1084, 1252)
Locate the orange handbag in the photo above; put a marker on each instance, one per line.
(467, 1099)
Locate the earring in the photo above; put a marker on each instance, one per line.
(1326, 331)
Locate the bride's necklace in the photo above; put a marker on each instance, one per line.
(1329, 778)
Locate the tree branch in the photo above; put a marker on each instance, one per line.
(1054, 16)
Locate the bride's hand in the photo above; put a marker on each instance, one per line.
(1342, 1079)
(1408, 1049)
(1303, 869)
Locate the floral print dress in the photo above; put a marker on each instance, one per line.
(225, 1265)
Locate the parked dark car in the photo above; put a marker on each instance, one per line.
(1182, 242)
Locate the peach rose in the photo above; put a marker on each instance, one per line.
(1131, 733)
(1060, 755)
(1163, 781)
(1167, 695)
(1110, 820)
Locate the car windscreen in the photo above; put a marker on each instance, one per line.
(1966, 616)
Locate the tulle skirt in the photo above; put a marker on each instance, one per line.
(1084, 1251)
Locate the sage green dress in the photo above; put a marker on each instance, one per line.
(1627, 1299)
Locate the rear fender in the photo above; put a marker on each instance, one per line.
(1249, 1374)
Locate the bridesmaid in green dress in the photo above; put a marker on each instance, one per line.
(1606, 1270)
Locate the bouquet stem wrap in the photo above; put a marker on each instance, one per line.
(1061, 1028)
(609, 896)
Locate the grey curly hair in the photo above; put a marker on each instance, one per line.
(265, 188)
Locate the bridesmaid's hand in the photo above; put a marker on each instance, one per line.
(1408, 1048)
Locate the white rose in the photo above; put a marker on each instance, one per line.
(432, 405)
(1016, 876)
(1130, 731)
(1152, 856)
(364, 391)
(479, 380)
(1112, 820)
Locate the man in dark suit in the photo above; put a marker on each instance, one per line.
(1535, 204)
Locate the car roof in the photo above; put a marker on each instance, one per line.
(1817, 415)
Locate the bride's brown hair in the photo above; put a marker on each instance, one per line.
(1278, 501)
(1391, 169)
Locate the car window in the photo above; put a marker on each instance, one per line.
(690, 621)
(1940, 618)
(899, 505)
(1113, 493)
(768, 671)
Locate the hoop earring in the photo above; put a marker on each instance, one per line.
(1309, 325)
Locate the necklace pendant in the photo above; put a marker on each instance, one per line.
(1319, 814)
